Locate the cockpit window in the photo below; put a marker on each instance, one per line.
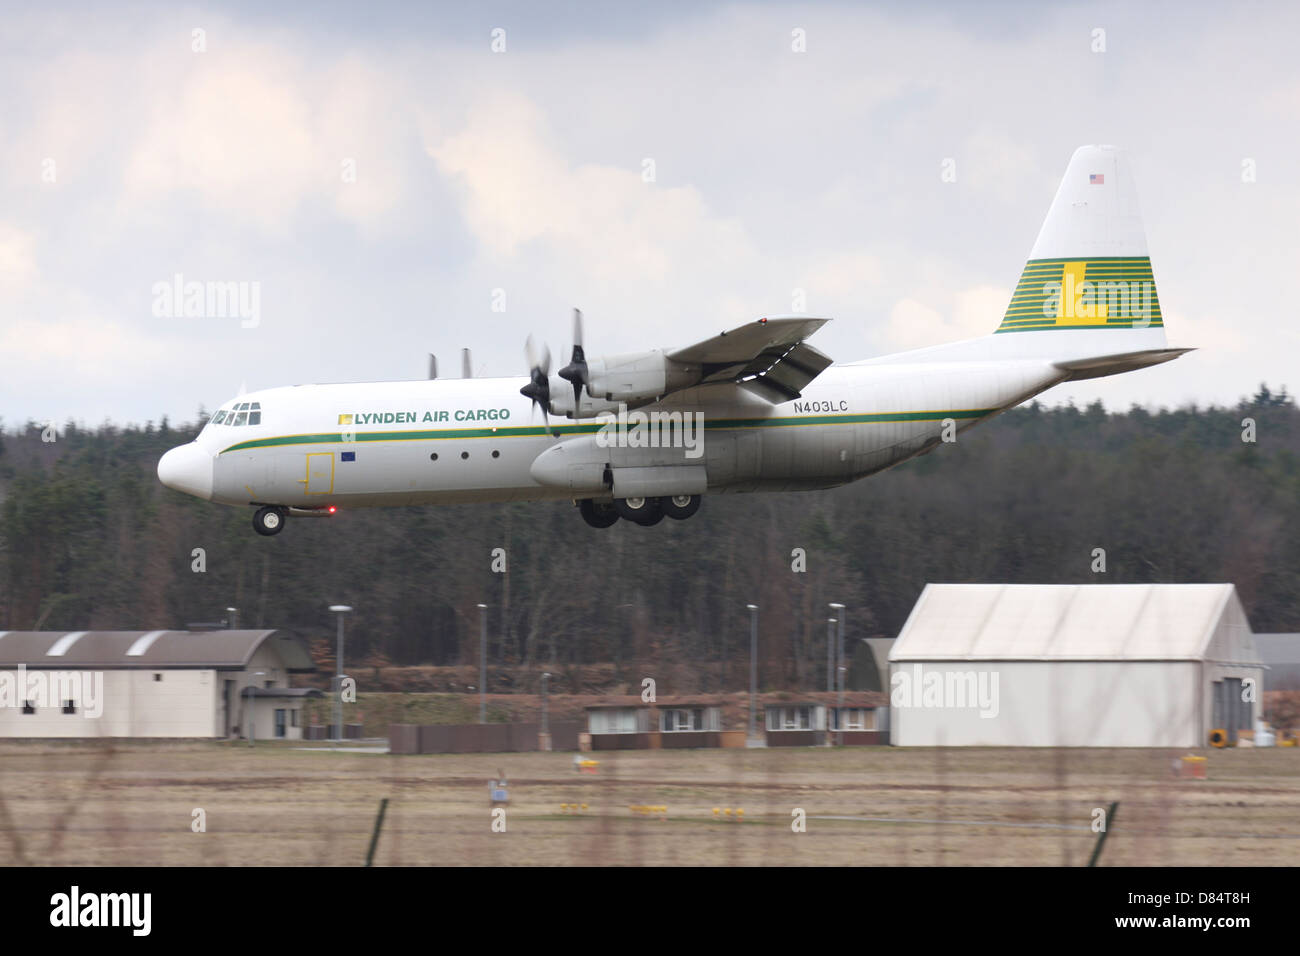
(245, 413)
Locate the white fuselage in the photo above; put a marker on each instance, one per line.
(467, 440)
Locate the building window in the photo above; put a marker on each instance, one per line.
(69, 706)
(680, 720)
(29, 707)
(157, 676)
(280, 723)
(789, 718)
(855, 718)
(613, 721)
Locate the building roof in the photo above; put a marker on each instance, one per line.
(831, 699)
(282, 692)
(622, 701)
(147, 650)
(1094, 622)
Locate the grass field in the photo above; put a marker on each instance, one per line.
(132, 804)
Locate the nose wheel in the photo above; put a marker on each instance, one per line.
(269, 520)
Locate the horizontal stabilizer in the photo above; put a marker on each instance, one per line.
(1100, 365)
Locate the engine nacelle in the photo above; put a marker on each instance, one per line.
(588, 407)
(638, 376)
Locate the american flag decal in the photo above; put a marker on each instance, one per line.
(1096, 179)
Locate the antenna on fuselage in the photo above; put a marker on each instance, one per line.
(466, 364)
(433, 365)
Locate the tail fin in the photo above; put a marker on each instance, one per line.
(1089, 269)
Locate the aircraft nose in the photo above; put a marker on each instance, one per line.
(187, 468)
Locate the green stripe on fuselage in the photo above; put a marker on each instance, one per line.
(590, 428)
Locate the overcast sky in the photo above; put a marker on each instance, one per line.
(381, 178)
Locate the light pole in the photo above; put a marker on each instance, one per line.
(252, 718)
(830, 643)
(753, 664)
(839, 710)
(340, 610)
(839, 656)
(482, 664)
(546, 724)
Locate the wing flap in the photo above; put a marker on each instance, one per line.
(782, 378)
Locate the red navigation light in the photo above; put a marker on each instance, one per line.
(333, 509)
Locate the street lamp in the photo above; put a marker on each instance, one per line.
(252, 717)
(839, 654)
(482, 664)
(830, 643)
(753, 664)
(340, 610)
(546, 727)
(839, 710)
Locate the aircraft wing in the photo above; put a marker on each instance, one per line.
(769, 357)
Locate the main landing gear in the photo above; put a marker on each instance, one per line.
(642, 511)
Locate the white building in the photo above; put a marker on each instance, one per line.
(151, 684)
(1118, 665)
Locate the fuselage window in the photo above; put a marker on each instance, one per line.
(219, 417)
(254, 418)
(241, 418)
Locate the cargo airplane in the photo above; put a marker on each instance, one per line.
(645, 435)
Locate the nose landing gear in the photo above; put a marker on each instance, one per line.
(269, 520)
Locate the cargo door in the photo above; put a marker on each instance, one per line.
(320, 473)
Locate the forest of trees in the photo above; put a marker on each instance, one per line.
(90, 540)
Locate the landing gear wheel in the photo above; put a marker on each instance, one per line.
(598, 514)
(643, 511)
(269, 520)
(681, 507)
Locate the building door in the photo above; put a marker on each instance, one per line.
(280, 721)
(1232, 709)
(320, 473)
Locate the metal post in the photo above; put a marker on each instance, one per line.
(340, 610)
(830, 647)
(838, 618)
(379, 825)
(482, 664)
(839, 712)
(1101, 839)
(753, 664)
(546, 729)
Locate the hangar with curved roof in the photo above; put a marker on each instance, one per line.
(217, 683)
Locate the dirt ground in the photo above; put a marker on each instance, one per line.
(134, 804)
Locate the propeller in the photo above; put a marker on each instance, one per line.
(539, 377)
(576, 371)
